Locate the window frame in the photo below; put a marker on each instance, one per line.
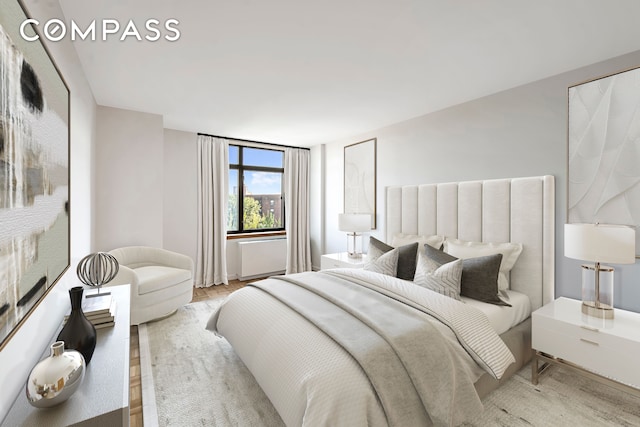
(241, 168)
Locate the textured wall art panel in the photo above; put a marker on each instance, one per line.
(34, 172)
(360, 179)
(604, 150)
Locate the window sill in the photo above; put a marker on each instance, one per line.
(249, 235)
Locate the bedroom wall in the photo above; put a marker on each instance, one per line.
(23, 351)
(130, 177)
(518, 132)
(180, 187)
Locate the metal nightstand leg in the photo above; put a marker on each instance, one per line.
(536, 368)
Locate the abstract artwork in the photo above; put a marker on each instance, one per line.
(360, 179)
(604, 150)
(34, 172)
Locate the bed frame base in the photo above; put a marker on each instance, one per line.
(518, 340)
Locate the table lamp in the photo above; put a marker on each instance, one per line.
(599, 243)
(354, 224)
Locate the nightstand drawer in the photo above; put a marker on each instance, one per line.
(341, 260)
(595, 350)
(585, 333)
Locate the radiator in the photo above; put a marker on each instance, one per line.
(261, 258)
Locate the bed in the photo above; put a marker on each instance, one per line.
(355, 347)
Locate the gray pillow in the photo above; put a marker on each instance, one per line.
(479, 275)
(407, 257)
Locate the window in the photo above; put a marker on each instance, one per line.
(256, 177)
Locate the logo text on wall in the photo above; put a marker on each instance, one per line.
(55, 30)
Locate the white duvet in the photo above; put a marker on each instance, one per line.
(313, 381)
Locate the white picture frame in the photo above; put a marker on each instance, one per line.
(360, 178)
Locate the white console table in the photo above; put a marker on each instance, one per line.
(103, 397)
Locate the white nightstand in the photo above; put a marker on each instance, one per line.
(606, 350)
(342, 260)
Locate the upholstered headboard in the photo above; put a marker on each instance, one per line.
(520, 210)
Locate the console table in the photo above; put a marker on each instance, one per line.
(103, 397)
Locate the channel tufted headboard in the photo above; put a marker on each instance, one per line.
(518, 210)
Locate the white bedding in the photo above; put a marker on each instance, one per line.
(319, 383)
(503, 318)
(258, 329)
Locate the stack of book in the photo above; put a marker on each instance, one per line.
(99, 310)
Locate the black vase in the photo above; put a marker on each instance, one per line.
(78, 333)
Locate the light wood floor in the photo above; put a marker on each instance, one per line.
(135, 385)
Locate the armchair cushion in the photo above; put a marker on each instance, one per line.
(157, 277)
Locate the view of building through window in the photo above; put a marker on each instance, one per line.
(255, 189)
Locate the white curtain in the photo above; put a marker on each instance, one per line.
(213, 195)
(296, 206)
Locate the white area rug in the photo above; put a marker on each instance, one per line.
(191, 377)
(198, 380)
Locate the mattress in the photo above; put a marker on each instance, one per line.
(503, 318)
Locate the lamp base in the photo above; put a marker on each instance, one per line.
(599, 310)
(597, 291)
(353, 248)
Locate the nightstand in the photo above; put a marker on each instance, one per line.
(605, 350)
(342, 260)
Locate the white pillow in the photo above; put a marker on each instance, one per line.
(401, 239)
(444, 279)
(382, 262)
(510, 253)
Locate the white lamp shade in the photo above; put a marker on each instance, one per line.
(615, 244)
(353, 223)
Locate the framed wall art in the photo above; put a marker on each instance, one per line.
(34, 171)
(360, 178)
(604, 151)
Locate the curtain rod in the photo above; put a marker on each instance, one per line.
(254, 142)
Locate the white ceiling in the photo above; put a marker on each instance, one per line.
(301, 73)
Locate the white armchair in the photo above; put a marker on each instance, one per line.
(161, 281)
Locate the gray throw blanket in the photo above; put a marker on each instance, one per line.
(410, 365)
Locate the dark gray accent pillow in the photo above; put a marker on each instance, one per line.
(407, 257)
(479, 275)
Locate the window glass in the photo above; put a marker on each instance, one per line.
(255, 190)
(262, 157)
(233, 154)
(263, 200)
